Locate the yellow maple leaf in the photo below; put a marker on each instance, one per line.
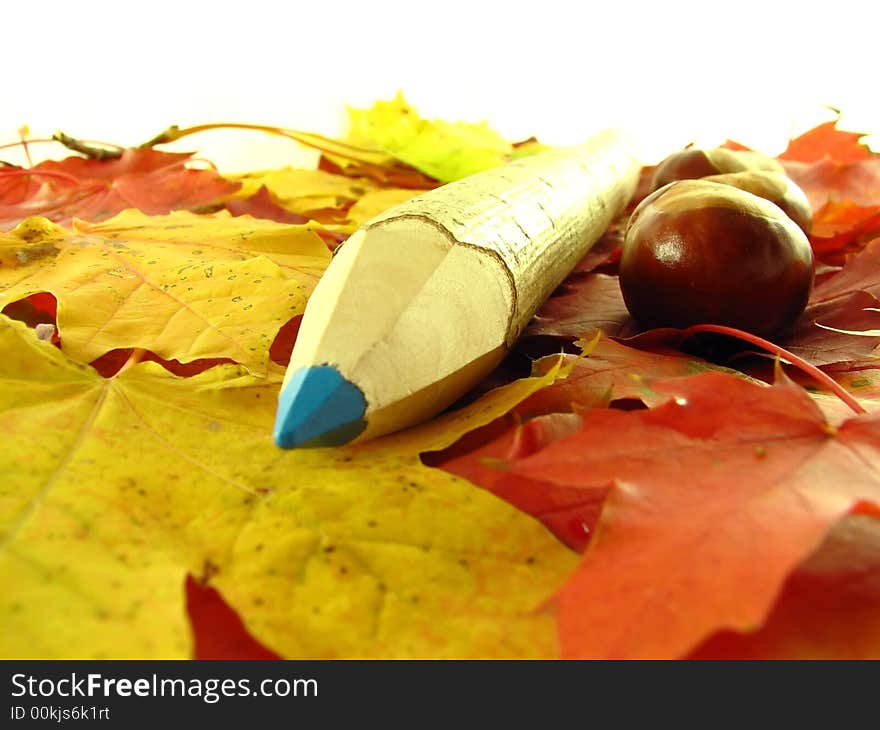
(309, 193)
(115, 489)
(183, 286)
(444, 150)
(376, 202)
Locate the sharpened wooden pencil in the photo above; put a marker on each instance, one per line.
(425, 300)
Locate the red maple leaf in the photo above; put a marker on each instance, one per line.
(827, 141)
(702, 512)
(583, 303)
(841, 228)
(262, 205)
(818, 345)
(395, 173)
(713, 500)
(611, 372)
(570, 513)
(861, 273)
(152, 181)
(841, 178)
(827, 608)
(830, 180)
(218, 632)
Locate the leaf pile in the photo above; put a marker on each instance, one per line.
(93, 189)
(645, 494)
(703, 500)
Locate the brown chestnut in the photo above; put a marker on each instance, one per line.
(775, 187)
(695, 163)
(698, 252)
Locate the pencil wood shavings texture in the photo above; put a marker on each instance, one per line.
(425, 299)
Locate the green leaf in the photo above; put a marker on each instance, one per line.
(446, 151)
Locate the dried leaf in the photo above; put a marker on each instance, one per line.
(375, 202)
(185, 287)
(569, 513)
(861, 273)
(608, 371)
(820, 338)
(315, 194)
(445, 151)
(583, 303)
(151, 181)
(715, 498)
(827, 608)
(262, 205)
(826, 141)
(863, 382)
(145, 477)
(843, 228)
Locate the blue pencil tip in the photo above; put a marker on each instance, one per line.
(318, 407)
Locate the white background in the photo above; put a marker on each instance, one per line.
(670, 71)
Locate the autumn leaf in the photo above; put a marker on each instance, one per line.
(375, 202)
(828, 180)
(390, 173)
(607, 372)
(862, 273)
(583, 303)
(826, 141)
(110, 169)
(297, 196)
(314, 194)
(827, 608)
(354, 552)
(713, 500)
(154, 182)
(218, 632)
(146, 512)
(843, 228)
(863, 382)
(570, 513)
(16, 185)
(817, 337)
(842, 301)
(183, 286)
(262, 205)
(445, 151)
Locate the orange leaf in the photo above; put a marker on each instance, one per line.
(827, 141)
(827, 179)
(583, 303)
(841, 228)
(827, 608)
(715, 499)
(93, 190)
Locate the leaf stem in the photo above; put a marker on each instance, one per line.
(94, 151)
(309, 139)
(781, 352)
(23, 134)
(55, 140)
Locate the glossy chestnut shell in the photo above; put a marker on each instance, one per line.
(699, 252)
(695, 163)
(775, 187)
